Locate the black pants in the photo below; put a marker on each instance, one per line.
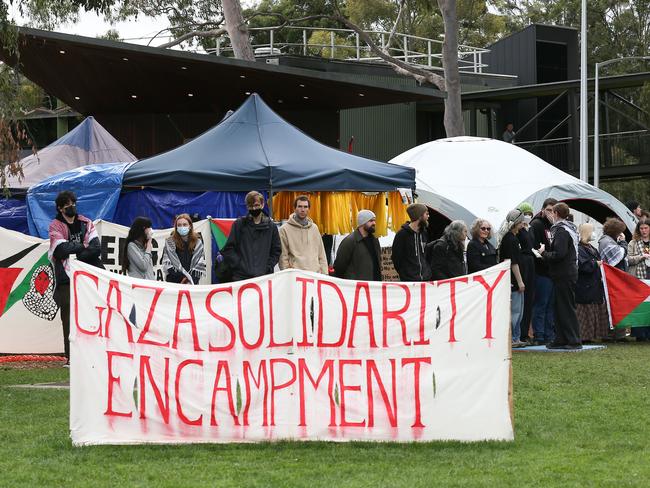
(62, 298)
(567, 329)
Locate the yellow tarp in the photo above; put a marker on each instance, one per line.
(336, 212)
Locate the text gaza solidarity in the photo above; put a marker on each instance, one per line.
(344, 325)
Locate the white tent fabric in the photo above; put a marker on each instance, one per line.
(88, 143)
(470, 177)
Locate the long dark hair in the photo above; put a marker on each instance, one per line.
(136, 233)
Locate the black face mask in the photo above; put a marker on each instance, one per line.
(255, 212)
(70, 211)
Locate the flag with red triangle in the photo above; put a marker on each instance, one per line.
(27, 306)
(221, 230)
(628, 298)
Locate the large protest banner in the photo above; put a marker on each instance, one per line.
(292, 355)
(113, 237)
(29, 319)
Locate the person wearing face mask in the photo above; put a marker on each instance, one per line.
(591, 308)
(510, 248)
(136, 259)
(358, 255)
(183, 258)
(527, 243)
(446, 256)
(562, 259)
(253, 247)
(543, 308)
(481, 254)
(409, 246)
(70, 233)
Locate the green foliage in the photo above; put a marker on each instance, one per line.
(581, 419)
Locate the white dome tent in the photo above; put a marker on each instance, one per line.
(469, 177)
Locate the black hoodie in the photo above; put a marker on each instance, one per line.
(408, 255)
(540, 228)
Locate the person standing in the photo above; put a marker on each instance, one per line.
(446, 256)
(409, 246)
(183, 258)
(543, 303)
(253, 247)
(526, 241)
(136, 258)
(635, 207)
(302, 244)
(481, 254)
(70, 233)
(638, 258)
(509, 134)
(562, 258)
(510, 248)
(591, 308)
(358, 255)
(611, 245)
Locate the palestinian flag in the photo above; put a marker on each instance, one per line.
(628, 298)
(221, 230)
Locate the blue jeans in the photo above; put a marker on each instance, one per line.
(516, 313)
(543, 310)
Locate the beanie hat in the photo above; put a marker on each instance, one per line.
(365, 216)
(526, 207)
(415, 211)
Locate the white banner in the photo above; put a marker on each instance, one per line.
(113, 237)
(29, 322)
(29, 318)
(292, 355)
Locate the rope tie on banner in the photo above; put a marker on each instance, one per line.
(29, 357)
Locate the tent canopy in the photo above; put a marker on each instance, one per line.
(97, 187)
(88, 143)
(255, 149)
(473, 177)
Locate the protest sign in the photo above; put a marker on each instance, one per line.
(113, 237)
(29, 318)
(292, 355)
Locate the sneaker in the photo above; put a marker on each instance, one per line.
(573, 347)
(67, 364)
(537, 342)
(555, 345)
(519, 345)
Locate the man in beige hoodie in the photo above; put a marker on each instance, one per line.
(302, 244)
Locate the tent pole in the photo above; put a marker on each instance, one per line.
(271, 204)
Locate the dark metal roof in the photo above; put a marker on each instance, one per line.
(546, 89)
(102, 76)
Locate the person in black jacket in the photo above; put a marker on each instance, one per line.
(562, 260)
(409, 246)
(527, 243)
(481, 254)
(253, 247)
(70, 233)
(446, 255)
(543, 304)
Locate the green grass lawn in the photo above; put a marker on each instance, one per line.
(581, 419)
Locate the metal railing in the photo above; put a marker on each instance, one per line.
(347, 44)
(617, 149)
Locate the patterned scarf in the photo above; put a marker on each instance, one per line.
(170, 260)
(60, 233)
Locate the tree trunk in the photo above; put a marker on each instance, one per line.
(237, 30)
(453, 107)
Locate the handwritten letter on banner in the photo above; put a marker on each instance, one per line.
(292, 355)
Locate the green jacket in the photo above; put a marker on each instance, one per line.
(353, 260)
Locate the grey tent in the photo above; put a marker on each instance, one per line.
(255, 149)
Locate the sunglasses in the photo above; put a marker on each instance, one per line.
(486, 228)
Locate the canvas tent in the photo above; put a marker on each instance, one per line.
(470, 177)
(87, 144)
(255, 149)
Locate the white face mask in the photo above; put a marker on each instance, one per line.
(527, 219)
(593, 236)
(149, 234)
